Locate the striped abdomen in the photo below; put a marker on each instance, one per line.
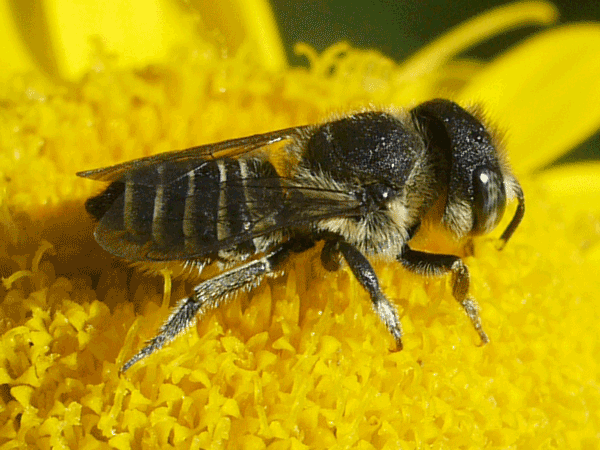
(172, 211)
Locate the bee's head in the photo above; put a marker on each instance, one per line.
(479, 182)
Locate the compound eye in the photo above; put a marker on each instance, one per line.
(379, 195)
(384, 194)
(489, 199)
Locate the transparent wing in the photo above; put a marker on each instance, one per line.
(186, 158)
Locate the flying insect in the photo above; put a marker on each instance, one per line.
(363, 185)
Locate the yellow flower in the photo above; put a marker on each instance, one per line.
(302, 362)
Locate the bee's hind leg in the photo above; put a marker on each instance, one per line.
(211, 293)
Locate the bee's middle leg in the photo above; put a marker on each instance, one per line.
(211, 293)
(366, 276)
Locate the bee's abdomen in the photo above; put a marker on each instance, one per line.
(170, 209)
(250, 195)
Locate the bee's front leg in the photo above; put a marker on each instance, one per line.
(211, 293)
(433, 264)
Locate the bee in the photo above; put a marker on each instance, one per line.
(362, 185)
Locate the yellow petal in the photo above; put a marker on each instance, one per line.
(138, 31)
(577, 187)
(14, 57)
(581, 180)
(67, 34)
(246, 23)
(545, 93)
(477, 30)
